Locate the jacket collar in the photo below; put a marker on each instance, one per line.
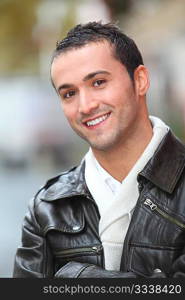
(163, 169)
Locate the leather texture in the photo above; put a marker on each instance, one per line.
(60, 231)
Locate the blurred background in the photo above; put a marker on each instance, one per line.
(36, 142)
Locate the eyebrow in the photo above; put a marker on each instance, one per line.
(87, 77)
(93, 74)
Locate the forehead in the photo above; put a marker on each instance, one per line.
(94, 53)
(74, 64)
(97, 48)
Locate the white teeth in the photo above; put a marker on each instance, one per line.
(97, 121)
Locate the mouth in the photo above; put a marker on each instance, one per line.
(96, 121)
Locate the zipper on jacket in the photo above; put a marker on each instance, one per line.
(70, 252)
(154, 207)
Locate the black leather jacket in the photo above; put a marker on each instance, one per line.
(60, 231)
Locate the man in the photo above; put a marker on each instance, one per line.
(121, 212)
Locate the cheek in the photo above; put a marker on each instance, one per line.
(119, 93)
(70, 113)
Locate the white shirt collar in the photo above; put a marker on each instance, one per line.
(113, 184)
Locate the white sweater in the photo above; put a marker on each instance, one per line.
(116, 201)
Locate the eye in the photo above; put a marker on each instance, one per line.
(99, 82)
(68, 94)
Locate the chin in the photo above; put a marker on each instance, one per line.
(102, 146)
(102, 143)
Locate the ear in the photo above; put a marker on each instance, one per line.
(141, 80)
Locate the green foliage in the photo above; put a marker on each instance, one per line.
(17, 18)
(20, 49)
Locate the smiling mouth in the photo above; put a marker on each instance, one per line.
(97, 121)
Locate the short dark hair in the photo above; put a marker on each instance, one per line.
(125, 49)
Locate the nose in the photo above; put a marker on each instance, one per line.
(87, 103)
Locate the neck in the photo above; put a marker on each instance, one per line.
(119, 160)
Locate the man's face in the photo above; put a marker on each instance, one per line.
(97, 95)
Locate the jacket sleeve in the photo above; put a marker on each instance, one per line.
(84, 270)
(178, 267)
(33, 257)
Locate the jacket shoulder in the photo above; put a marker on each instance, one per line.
(58, 178)
(52, 184)
(167, 164)
(52, 204)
